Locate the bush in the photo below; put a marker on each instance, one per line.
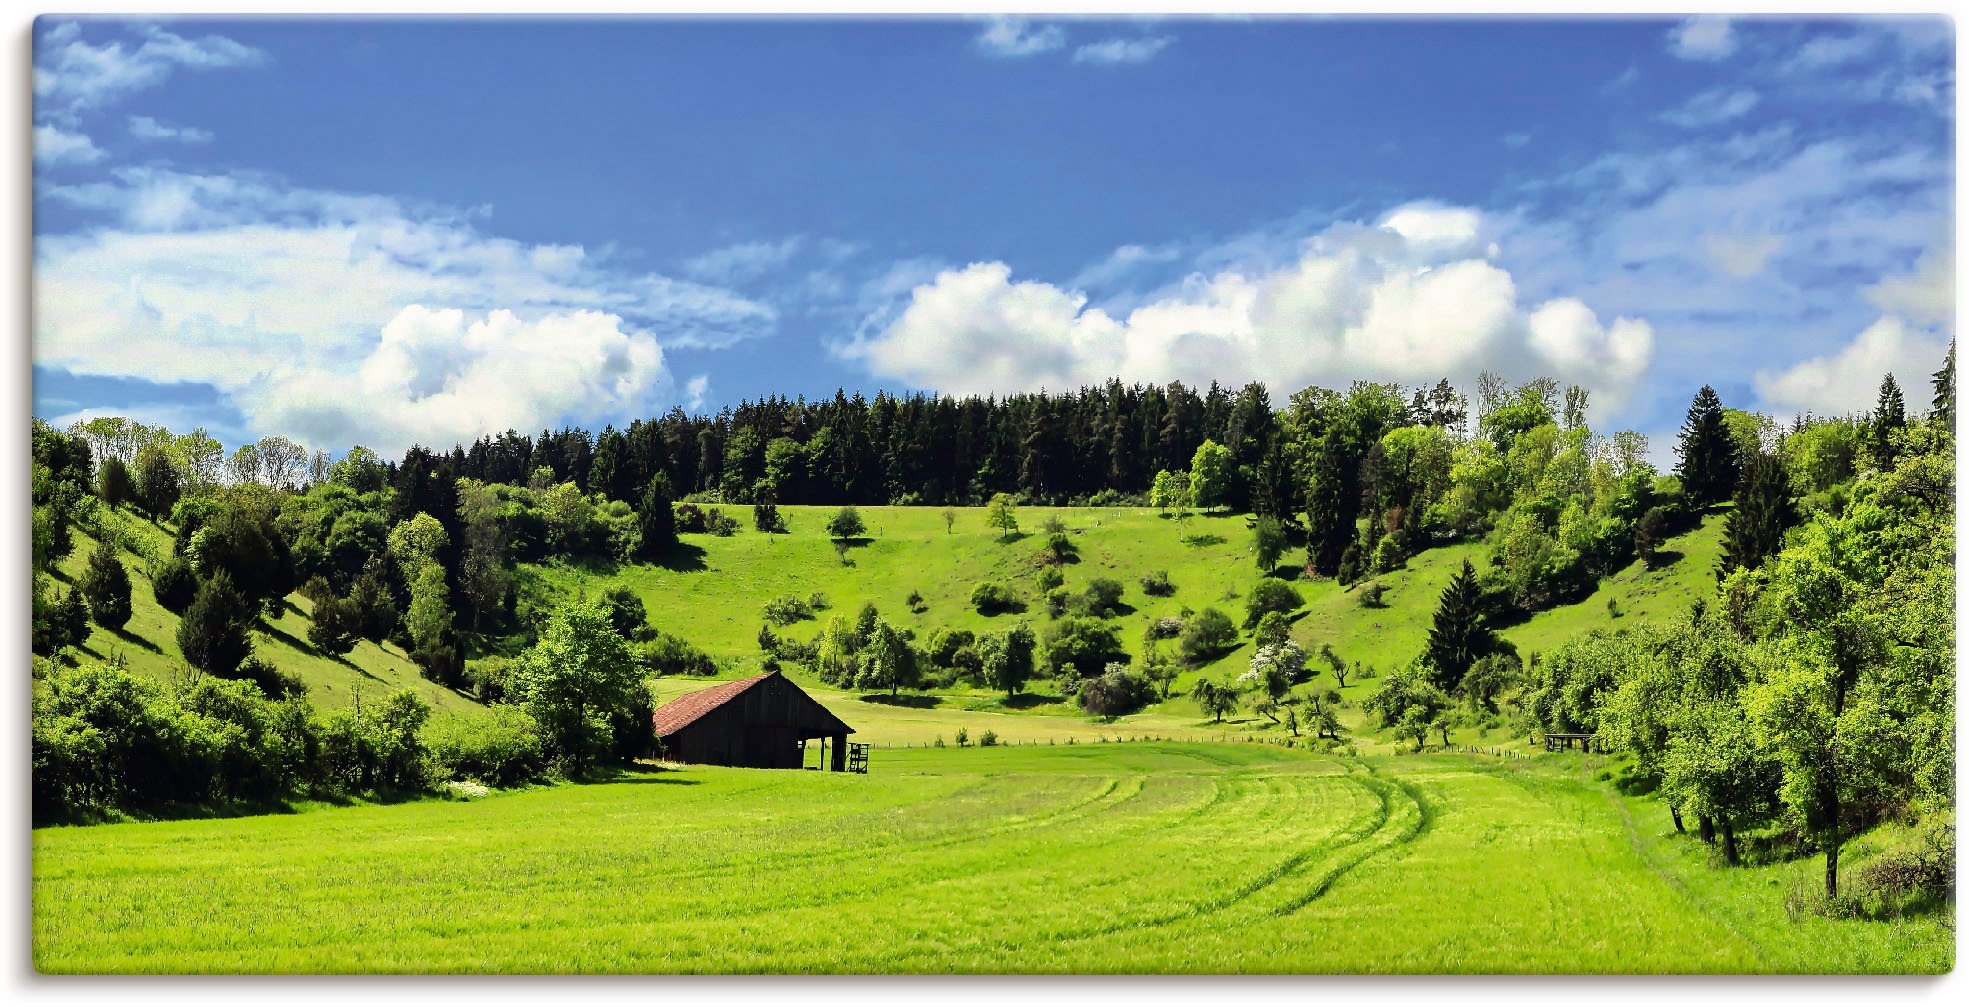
(963, 737)
(174, 585)
(846, 524)
(1166, 628)
(1059, 549)
(1101, 598)
(988, 738)
(719, 523)
(212, 635)
(1156, 585)
(106, 586)
(1270, 594)
(672, 655)
(1057, 602)
(336, 625)
(1371, 593)
(377, 750)
(1048, 578)
(690, 518)
(991, 597)
(767, 518)
(915, 602)
(626, 613)
(787, 610)
(944, 645)
(1117, 692)
(1080, 646)
(1205, 635)
(499, 749)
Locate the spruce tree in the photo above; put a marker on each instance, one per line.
(656, 519)
(106, 584)
(213, 632)
(1754, 530)
(1944, 401)
(113, 482)
(1889, 415)
(1459, 637)
(1708, 464)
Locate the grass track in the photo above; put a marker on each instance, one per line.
(1172, 857)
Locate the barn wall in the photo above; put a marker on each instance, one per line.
(760, 728)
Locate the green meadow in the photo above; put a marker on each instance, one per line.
(1091, 857)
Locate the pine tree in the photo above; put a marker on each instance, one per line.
(113, 482)
(1332, 502)
(1460, 636)
(1889, 415)
(1708, 457)
(106, 584)
(1944, 401)
(1754, 530)
(213, 633)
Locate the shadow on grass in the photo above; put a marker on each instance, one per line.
(685, 558)
(1203, 540)
(1028, 700)
(911, 702)
(1663, 559)
(131, 638)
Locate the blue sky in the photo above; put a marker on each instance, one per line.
(382, 232)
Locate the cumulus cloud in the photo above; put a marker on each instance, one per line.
(53, 145)
(1013, 36)
(1713, 107)
(1848, 381)
(1122, 50)
(1926, 296)
(144, 127)
(1703, 37)
(71, 74)
(315, 312)
(1413, 298)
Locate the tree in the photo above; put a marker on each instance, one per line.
(417, 542)
(1268, 542)
(1270, 594)
(1115, 692)
(213, 633)
(113, 482)
(1754, 530)
(576, 680)
(766, 517)
(846, 524)
(1007, 658)
(1081, 646)
(1889, 416)
(656, 520)
(156, 485)
(949, 519)
(1204, 635)
(174, 585)
(336, 626)
(1943, 403)
(1708, 465)
(1274, 670)
(1210, 474)
(1273, 629)
(106, 584)
(430, 608)
(1000, 514)
(1459, 635)
(1171, 491)
(1215, 700)
(887, 659)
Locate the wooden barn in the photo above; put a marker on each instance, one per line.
(762, 722)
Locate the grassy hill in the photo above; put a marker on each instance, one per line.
(148, 643)
(1084, 859)
(712, 593)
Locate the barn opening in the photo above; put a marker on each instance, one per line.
(762, 722)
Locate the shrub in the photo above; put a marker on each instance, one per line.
(1101, 598)
(499, 749)
(174, 585)
(1116, 692)
(1156, 585)
(846, 524)
(336, 625)
(106, 585)
(1080, 646)
(945, 643)
(212, 635)
(1371, 593)
(991, 597)
(690, 518)
(962, 737)
(1059, 549)
(626, 612)
(988, 738)
(1273, 629)
(767, 518)
(377, 750)
(1205, 635)
(719, 523)
(1057, 601)
(667, 654)
(817, 601)
(1270, 594)
(915, 601)
(787, 610)
(1166, 628)
(1048, 578)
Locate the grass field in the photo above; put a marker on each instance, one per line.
(1084, 858)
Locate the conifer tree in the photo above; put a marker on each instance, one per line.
(106, 584)
(213, 633)
(1459, 636)
(656, 519)
(1889, 415)
(1944, 401)
(1708, 464)
(113, 482)
(1754, 530)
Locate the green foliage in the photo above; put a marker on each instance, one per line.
(656, 520)
(1210, 475)
(1156, 584)
(113, 482)
(1270, 595)
(1171, 491)
(335, 626)
(1214, 699)
(1754, 529)
(1889, 417)
(575, 680)
(503, 748)
(375, 749)
(1273, 629)
(60, 620)
(1114, 693)
(212, 635)
(1205, 635)
(1006, 659)
(106, 586)
(1708, 465)
(1001, 515)
(846, 524)
(1460, 634)
(1268, 542)
(1100, 599)
(991, 597)
(1080, 646)
(787, 610)
(156, 486)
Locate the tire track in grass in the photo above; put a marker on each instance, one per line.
(1408, 830)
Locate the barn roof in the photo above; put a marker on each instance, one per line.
(681, 712)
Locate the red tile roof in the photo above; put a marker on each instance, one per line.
(683, 711)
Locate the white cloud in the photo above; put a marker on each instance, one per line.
(1849, 380)
(144, 127)
(1712, 107)
(697, 391)
(1012, 36)
(1122, 50)
(742, 262)
(1741, 256)
(1703, 37)
(71, 74)
(1927, 296)
(1413, 299)
(1123, 262)
(315, 312)
(53, 145)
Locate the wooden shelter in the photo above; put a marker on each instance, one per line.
(762, 722)
(1564, 742)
